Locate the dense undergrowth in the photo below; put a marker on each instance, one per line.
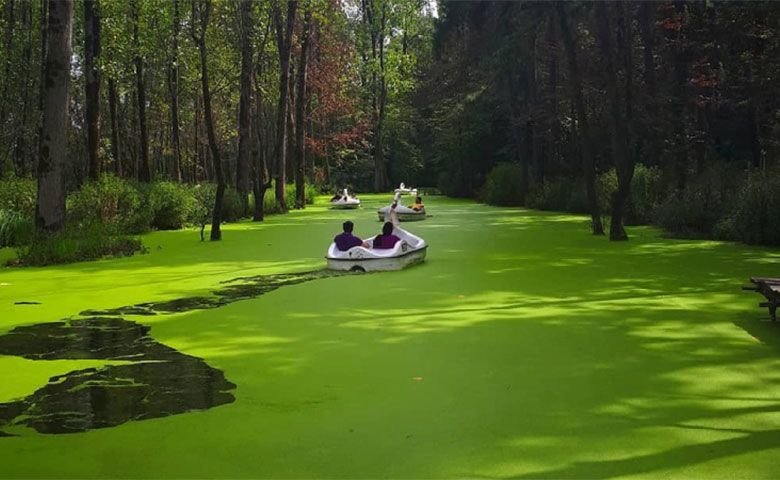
(104, 217)
(722, 202)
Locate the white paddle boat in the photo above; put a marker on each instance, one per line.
(405, 214)
(345, 201)
(409, 250)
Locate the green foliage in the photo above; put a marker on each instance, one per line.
(18, 195)
(647, 192)
(203, 204)
(15, 229)
(110, 200)
(170, 204)
(269, 200)
(754, 218)
(232, 209)
(503, 185)
(699, 209)
(559, 194)
(87, 242)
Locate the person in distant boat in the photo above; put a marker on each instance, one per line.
(386, 240)
(336, 197)
(417, 205)
(345, 240)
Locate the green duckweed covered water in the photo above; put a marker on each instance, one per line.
(523, 347)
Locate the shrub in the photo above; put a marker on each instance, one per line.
(18, 195)
(15, 229)
(232, 209)
(647, 192)
(693, 212)
(86, 242)
(559, 194)
(269, 200)
(700, 209)
(170, 204)
(111, 201)
(753, 218)
(504, 185)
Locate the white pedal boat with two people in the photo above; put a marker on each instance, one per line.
(409, 250)
(405, 214)
(344, 201)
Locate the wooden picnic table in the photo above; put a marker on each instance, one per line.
(770, 289)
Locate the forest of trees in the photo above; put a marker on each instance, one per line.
(242, 94)
(632, 112)
(664, 112)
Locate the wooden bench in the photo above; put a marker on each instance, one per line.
(770, 289)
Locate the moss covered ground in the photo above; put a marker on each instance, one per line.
(522, 348)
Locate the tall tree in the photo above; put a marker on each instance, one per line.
(145, 169)
(586, 139)
(245, 104)
(50, 207)
(20, 140)
(376, 23)
(284, 43)
(92, 84)
(112, 111)
(10, 25)
(201, 11)
(300, 113)
(261, 180)
(618, 118)
(173, 90)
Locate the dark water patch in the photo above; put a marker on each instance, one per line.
(25, 302)
(241, 288)
(131, 310)
(106, 338)
(159, 382)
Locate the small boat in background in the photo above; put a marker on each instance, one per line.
(344, 201)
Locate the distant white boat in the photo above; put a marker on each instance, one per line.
(345, 201)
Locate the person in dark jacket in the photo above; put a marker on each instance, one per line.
(386, 240)
(345, 240)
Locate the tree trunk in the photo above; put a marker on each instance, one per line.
(652, 148)
(300, 114)
(50, 207)
(618, 125)
(173, 89)
(20, 141)
(145, 169)
(586, 140)
(245, 105)
(92, 84)
(379, 93)
(284, 84)
(112, 99)
(6, 80)
(201, 10)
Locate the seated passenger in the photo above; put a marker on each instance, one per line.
(345, 240)
(417, 205)
(386, 240)
(336, 197)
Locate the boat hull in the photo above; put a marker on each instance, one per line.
(344, 206)
(379, 264)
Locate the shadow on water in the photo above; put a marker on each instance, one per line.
(159, 382)
(249, 287)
